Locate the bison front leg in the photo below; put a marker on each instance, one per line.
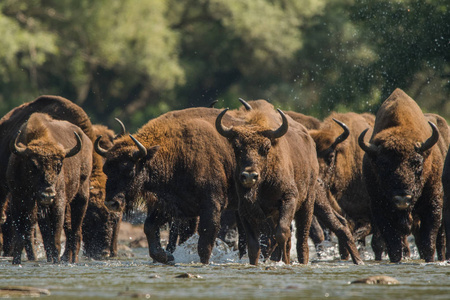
(253, 245)
(51, 224)
(427, 234)
(303, 219)
(378, 245)
(152, 226)
(23, 223)
(392, 239)
(283, 229)
(208, 230)
(77, 210)
(116, 220)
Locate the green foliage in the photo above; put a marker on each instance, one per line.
(137, 59)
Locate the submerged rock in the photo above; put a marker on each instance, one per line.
(129, 294)
(379, 279)
(22, 291)
(188, 275)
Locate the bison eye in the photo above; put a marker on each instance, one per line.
(264, 150)
(417, 165)
(330, 157)
(34, 166)
(58, 167)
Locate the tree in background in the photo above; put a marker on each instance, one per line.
(138, 59)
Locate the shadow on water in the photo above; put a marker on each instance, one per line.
(228, 277)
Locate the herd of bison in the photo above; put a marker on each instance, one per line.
(206, 170)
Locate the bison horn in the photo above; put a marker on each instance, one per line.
(275, 134)
(343, 136)
(211, 105)
(122, 127)
(223, 130)
(142, 150)
(367, 147)
(245, 103)
(16, 149)
(76, 149)
(433, 139)
(98, 148)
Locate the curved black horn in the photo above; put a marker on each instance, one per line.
(76, 149)
(367, 147)
(275, 134)
(122, 127)
(211, 105)
(433, 139)
(223, 130)
(98, 148)
(13, 147)
(343, 136)
(142, 150)
(246, 105)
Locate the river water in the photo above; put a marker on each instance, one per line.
(227, 277)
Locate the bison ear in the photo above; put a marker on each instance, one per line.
(152, 151)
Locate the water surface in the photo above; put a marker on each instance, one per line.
(227, 277)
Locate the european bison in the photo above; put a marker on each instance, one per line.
(101, 226)
(308, 121)
(340, 164)
(402, 169)
(276, 176)
(48, 177)
(58, 108)
(181, 167)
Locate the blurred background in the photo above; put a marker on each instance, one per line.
(138, 59)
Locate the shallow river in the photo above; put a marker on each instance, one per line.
(227, 277)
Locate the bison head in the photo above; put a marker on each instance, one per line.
(397, 163)
(326, 144)
(42, 162)
(124, 167)
(252, 146)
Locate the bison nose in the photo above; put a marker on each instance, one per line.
(47, 196)
(113, 205)
(403, 202)
(248, 179)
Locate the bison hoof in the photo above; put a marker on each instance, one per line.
(163, 257)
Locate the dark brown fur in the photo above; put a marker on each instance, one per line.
(58, 108)
(285, 186)
(394, 169)
(42, 169)
(308, 121)
(341, 169)
(188, 172)
(101, 226)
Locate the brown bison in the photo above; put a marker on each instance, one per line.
(316, 232)
(48, 177)
(308, 121)
(58, 108)
(275, 184)
(402, 169)
(270, 182)
(101, 226)
(181, 167)
(340, 164)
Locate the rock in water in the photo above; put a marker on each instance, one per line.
(22, 291)
(379, 279)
